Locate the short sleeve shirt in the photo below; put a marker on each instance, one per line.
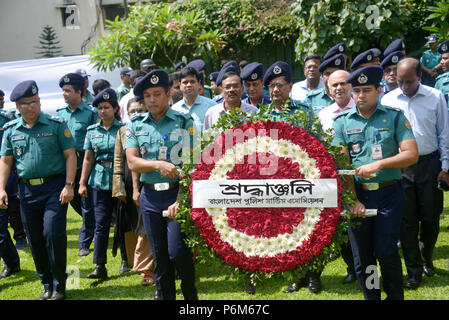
(38, 151)
(386, 126)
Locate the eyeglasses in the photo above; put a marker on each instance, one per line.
(389, 70)
(278, 85)
(232, 86)
(31, 104)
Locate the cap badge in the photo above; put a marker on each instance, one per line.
(33, 89)
(362, 79)
(277, 70)
(369, 57)
(154, 79)
(106, 96)
(337, 62)
(66, 79)
(444, 47)
(340, 48)
(254, 76)
(395, 59)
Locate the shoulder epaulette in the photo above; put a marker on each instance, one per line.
(93, 126)
(137, 116)
(11, 123)
(56, 119)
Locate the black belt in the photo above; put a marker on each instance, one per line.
(39, 181)
(106, 164)
(164, 186)
(376, 186)
(429, 156)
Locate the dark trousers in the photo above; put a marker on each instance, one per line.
(167, 246)
(84, 207)
(14, 212)
(422, 210)
(103, 218)
(375, 238)
(45, 222)
(7, 249)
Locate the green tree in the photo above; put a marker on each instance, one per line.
(48, 43)
(439, 19)
(157, 31)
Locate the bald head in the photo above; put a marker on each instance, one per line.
(338, 88)
(408, 76)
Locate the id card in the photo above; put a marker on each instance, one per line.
(162, 155)
(376, 151)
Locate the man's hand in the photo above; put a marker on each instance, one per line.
(358, 209)
(82, 190)
(443, 176)
(136, 196)
(168, 169)
(3, 200)
(66, 195)
(368, 170)
(172, 210)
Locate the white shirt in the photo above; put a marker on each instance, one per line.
(214, 113)
(327, 114)
(428, 116)
(300, 90)
(124, 105)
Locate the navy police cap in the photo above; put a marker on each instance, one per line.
(252, 71)
(198, 64)
(443, 47)
(277, 69)
(180, 65)
(126, 71)
(213, 76)
(337, 49)
(396, 45)
(154, 78)
(107, 95)
(392, 59)
(366, 76)
(24, 89)
(363, 58)
(72, 79)
(337, 61)
(225, 69)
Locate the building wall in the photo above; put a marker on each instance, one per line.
(22, 22)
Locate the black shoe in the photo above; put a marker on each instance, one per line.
(350, 278)
(46, 295)
(58, 295)
(124, 267)
(295, 286)
(21, 243)
(83, 252)
(314, 284)
(413, 281)
(9, 271)
(429, 270)
(99, 272)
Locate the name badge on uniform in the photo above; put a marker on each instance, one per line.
(15, 138)
(162, 154)
(353, 131)
(376, 151)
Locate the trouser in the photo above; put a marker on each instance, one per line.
(422, 210)
(103, 217)
(14, 213)
(45, 222)
(167, 244)
(84, 207)
(7, 249)
(375, 238)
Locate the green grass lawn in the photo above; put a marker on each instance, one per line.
(213, 281)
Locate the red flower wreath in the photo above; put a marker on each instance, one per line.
(268, 239)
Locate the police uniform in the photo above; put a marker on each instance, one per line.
(395, 45)
(7, 249)
(252, 72)
(102, 143)
(41, 167)
(369, 140)
(155, 140)
(392, 59)
(77, 122)
(366, 57)
(430, 59)
(123, 89)
(339, 48)
(442, 81)
(89, 97)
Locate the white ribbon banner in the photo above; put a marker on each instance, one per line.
(284, 193)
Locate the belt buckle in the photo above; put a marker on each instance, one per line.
(162, 186)
(36, 181)
(371, 186)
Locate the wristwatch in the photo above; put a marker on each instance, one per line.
(445, 170)
(71, 184)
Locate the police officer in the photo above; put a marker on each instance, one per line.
(371, 134)
(150, 140)
(389, 66)
(97, 172)
(442, 81)
(252, 76)
(125, 85)
(88, 97)
(395, 45)
(200, 66)
(430, 62)
(364, 59)
(146, 65)
(43, 150)
(320, 98)
(7, 249)
(78, 116)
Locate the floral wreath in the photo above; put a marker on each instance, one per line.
(267, 240)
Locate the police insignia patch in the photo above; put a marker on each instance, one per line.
(407, 124)
(142, 150)
(19, 151)
(369, 57)
(362, 79)
(154, 79)
(395, 59)
(66, 79)
(67, 133)
(254, 76)
(105, 96)
(277, 70)
(337, 62)
(356, 148)
(33, 89)
(95, 148)
(191, 131)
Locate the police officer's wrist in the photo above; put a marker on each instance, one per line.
(70, 184)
